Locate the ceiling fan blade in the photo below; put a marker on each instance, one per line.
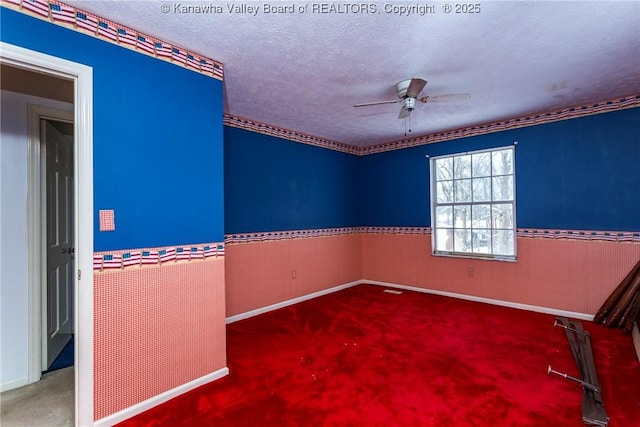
(366, 104)
(452, 97)
(404, 113)
(415, 87)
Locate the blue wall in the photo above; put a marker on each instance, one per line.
(273, 184)
(158, 153)
(581, 174)
(577, 174)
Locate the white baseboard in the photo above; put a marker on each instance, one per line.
(161, 398)
(289, 302)
(527, 307)
(546, 310)
(10, 385)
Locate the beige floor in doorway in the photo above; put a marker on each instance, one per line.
(47, 403)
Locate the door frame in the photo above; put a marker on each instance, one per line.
(82, 76)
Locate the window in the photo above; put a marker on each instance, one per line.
(473, 204)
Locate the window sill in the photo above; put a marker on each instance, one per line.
(474, 256)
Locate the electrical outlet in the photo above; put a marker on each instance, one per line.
(293, 274)
(470, 271)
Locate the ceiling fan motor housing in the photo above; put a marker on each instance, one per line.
(402, 88)
(409, 103)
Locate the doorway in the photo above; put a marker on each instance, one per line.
(49, 400)
(37, 135)
(81, 77)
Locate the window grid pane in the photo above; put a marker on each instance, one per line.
(474, 204)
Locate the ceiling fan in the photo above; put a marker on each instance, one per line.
(409, 92)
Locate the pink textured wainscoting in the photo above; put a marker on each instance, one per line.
(156, 328)
(260, 273)
(563, 274)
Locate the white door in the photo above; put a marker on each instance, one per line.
(59, 242)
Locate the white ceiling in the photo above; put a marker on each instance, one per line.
(304, 71)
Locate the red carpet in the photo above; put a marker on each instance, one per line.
(362, 357)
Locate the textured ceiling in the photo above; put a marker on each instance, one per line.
(303, 70)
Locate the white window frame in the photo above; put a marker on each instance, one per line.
(434, 204)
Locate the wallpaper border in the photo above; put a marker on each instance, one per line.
(268, 236)
(117, 260)
(158, 256)
(266, 129)
(607, 236)
(529, 233)
(614, 104)
(87, 23)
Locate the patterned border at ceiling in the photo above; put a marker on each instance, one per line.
(78, 20)
(252, 125)
(567, 113)
(606, 236)
(110, 260)
(552, 116)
